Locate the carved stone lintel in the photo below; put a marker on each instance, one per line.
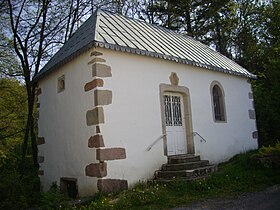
(174, 79)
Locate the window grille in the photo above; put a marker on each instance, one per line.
(172, 110)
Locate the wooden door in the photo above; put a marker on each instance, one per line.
(175, 123)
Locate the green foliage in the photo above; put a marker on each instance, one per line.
(267, 87)
(268, 156)
(270, 150)
(101, 203)
(13, 106)
(19, 183)
(9, 65)
(53, 198)
(144, 194)
(19, 186)
(194, 16)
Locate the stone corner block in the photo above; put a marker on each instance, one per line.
(101, 70)
(38, 91)
(110, 154)
(255, 134)
(95, 116)
(96, 53)
(251, 96)
(41, 172)
(41, 159)
(96, 59)
(98, 170)
(97, 129)
(102, 97)
(252, 114)
(93, 84)
(111, 185)
(40, 140)
(96, 141)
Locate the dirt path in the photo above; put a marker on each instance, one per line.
(265, 200)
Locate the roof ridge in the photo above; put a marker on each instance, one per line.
(97, 14)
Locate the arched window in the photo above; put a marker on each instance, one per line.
(218, 103)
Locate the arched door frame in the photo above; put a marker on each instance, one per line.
(184, 91)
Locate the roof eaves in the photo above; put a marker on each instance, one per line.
(88, 42)
(171, 58)
(64, 61)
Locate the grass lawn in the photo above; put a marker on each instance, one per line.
(238, 175)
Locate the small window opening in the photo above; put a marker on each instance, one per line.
(218, 103)
(68, 186)
(61, 84)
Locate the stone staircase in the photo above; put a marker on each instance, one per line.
(184, 167)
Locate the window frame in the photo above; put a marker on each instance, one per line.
(61, 84)
(221, 102)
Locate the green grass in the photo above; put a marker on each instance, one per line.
(238, 175)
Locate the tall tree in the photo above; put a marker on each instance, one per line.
(192, 16)
(267, 87)
(36, 30)
(29, 21)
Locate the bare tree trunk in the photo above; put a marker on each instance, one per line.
(29, 124)
(188, 19)
(32, 131)
(34, 33)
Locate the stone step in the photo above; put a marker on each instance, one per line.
(185, 166)
(167, 180)
(186, 174)
(183, 159)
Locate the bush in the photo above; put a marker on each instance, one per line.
(268, 157)
(19, 190)
(53, 198)
(270, 150)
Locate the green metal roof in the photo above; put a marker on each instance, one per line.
(119, 33)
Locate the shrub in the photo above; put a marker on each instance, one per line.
(53, 198)
(19, 190)
(270, 150)
(268, 157)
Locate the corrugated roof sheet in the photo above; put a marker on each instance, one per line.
(117, 32)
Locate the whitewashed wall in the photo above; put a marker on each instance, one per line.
(62, 122)
(133, 120)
